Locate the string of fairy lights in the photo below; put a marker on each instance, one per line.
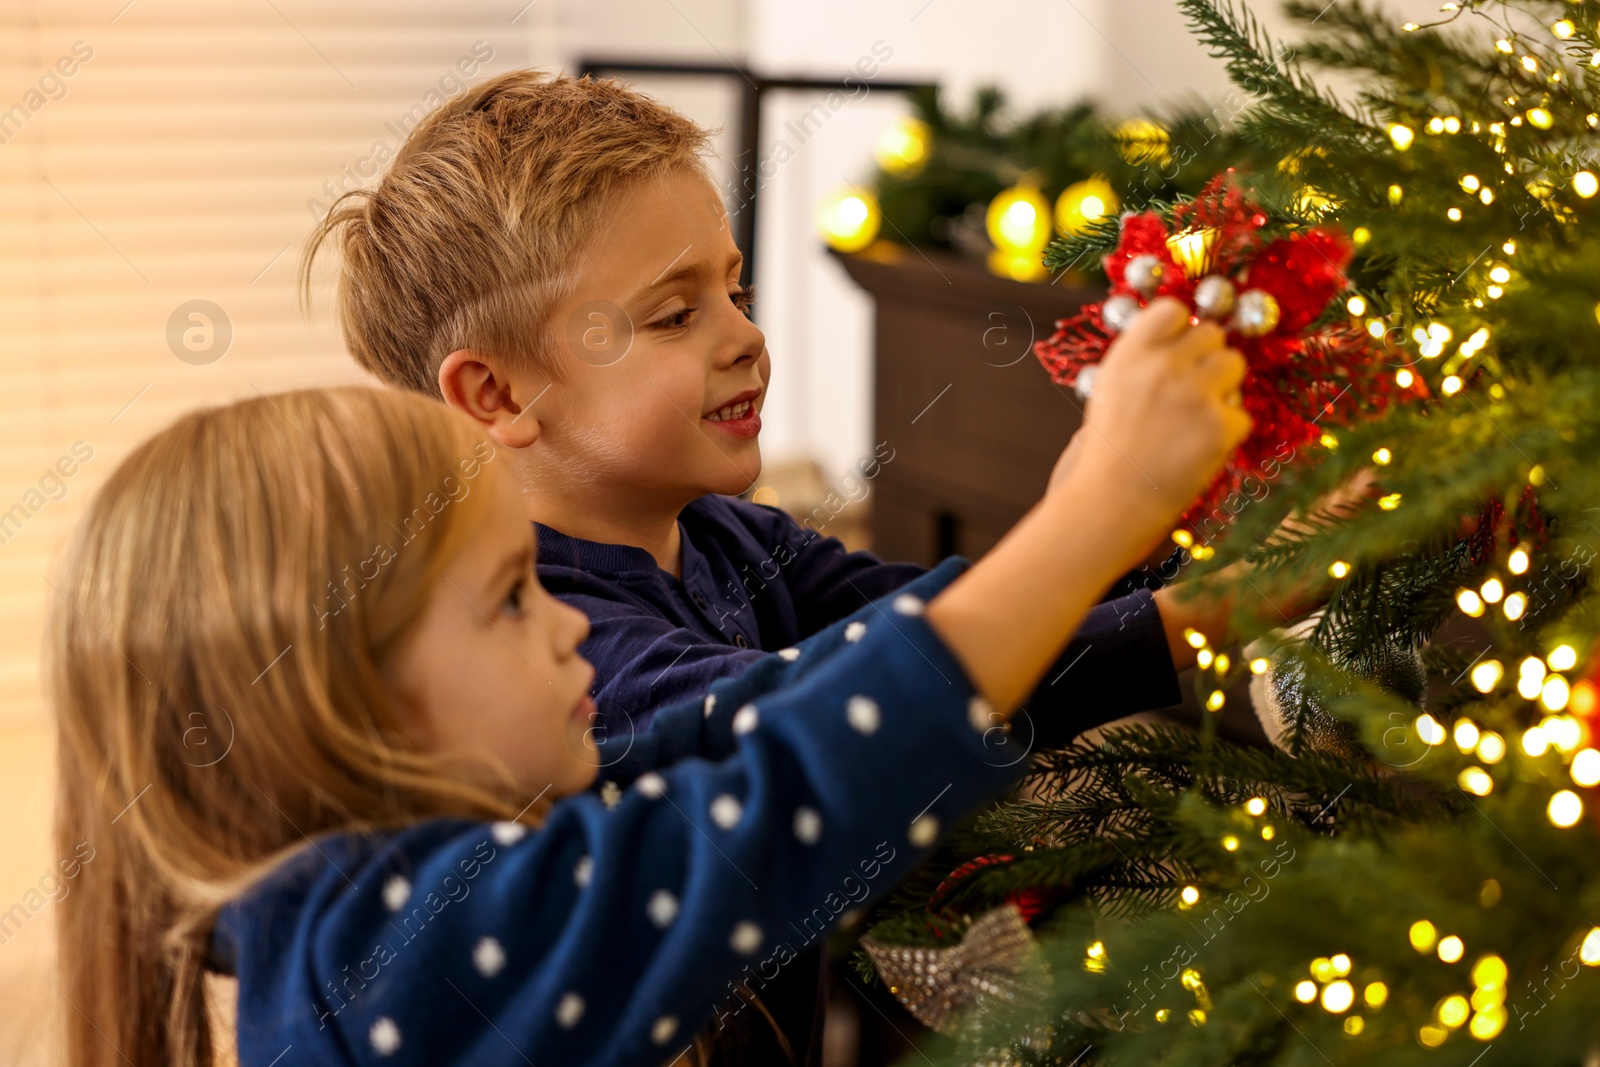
(1557, 749)
(1020, 220)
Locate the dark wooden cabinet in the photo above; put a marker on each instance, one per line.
(974, 420)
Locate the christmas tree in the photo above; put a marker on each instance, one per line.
(1412, 876)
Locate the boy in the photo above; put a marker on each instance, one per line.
(550, 256)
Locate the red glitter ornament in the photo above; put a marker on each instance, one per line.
(1299, 380)
(1031, 902)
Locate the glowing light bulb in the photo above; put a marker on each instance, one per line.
(1487, 675)
(1515, 605)
(1190, 896)
(1451, 948)
(1305, 992)
(1452, 1010)
(1586, 767)
(1517, 562)
(1589, 951)
(1376, 994)
(1356, 306)
(1491, 747)
(1338, 568)
(1563, 29)
(1470, 183)
(1231, 843)
(1469, 602)
(1465, 734)
(1585, 184)
(1382, 457)
(1562, 658)
(1215, 701)
(1338, 996)
(1500, 274)
(1535, 742)
(1430, 729)
(1258, 665)
(1422, 934)
(1454, 214)
(848, 220)
(1555, 693)
(1492, 591)
(1475, 780)
(1256, 805)
(1402, 136)
(1450, 386)
(1565, 809)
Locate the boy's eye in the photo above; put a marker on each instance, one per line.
(744, 298)
(675, 321)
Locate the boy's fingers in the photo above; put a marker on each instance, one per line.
(1196, 341)
(1222, 369)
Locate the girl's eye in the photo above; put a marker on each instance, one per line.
(744, 298)
(513, 601)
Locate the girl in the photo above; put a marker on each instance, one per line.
(327, 734)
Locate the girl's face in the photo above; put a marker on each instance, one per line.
(491, 667)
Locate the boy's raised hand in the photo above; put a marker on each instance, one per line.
(1165, 408)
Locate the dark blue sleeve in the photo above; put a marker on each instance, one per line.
(612, 934)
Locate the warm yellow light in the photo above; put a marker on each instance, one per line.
(1452, 1010)
(1096, 951)
(1586, 768)
(903, 146)
(1340, 962)
(1503, 46)
(1487, 675)
(1231, 843)
(1356, 306)
(1382, 457)
(1432, 1036)
(1535, 742)
(1189, 896)
(1195, 638)
(1494, 291)
(1454, 214)
(1540, 117)
(1529, 63)
(1509, 248)
(1470, 183)
(1390, 501)
(1403, 378)
(1338, 568)
(1422, 935)
(1083, 203)
(1492, 591)
(1192, 250)
(1469, 602)
(1256, 805)
(1500, 274)
(1585, 184)
(1450, 386)
(1143, 141)
(1491, 747)
(1018, 220)
(1259, 665)
(1376, 994)
(1476, 780)
(1451, 948)
(1489, 970)
(1565, 809)
(1589, 951)
(1564, 732)
(1487, 1024)
(1563, 29)
(1562, 658)
(1328, 441)
(1430, 730)
(1465, 734)
(1203, 659)
(1305, 992)
(1555, 693)
(848, 219)
(1360, 236)
(1584, 700)
(1338, 996)
(1486, 195)
(1183, 538)
(1222, 663)
(1353, 1025)
(1402, 136)
(1515, 605)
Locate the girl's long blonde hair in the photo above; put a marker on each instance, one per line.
(213, 662)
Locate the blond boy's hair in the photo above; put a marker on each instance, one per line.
(473, 234)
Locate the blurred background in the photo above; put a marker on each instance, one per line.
(162, 161)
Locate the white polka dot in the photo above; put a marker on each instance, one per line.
(489, 957)
(651, 785)
(385, 1036)
(582, 872)
(610, 793)
(569, 1010)
(980, 713)
(924, 831)
(855, 631)
(788, 655)
(711, 702)
(807, 825)
(906, 604)
(662, 908)
(745, 719)
(746, 938)
(862, 713)
(725, 811)
(663, 1030)
(396, 891)
(507, 833)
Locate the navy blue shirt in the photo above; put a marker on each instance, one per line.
(754, 581)
(738, 829)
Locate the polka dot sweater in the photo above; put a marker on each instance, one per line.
(737, 830)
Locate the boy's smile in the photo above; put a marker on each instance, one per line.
(739, 416)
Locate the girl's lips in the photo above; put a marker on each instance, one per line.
(585, 709)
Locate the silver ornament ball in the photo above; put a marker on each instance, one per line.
(1144, 274)
(1214, 296)
(1118, 312)
(1084, 383)
(1256, 314)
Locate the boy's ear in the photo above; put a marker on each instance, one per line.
(472, 382)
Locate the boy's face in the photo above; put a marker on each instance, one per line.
(663, 374)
